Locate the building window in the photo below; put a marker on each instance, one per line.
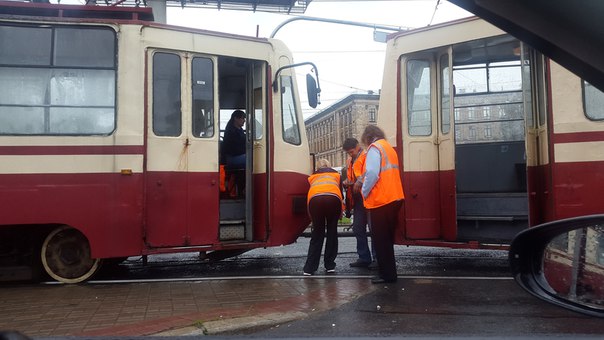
(471, 113)
(472, 133)
(372, 115)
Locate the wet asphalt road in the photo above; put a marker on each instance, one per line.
(440, 293)
(289, 260)
(442, 308)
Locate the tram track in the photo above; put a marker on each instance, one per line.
(189, 261)
(280, 277)
(286, 263)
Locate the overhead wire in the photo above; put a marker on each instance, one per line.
(434, 13)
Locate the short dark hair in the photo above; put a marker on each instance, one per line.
(350, 143)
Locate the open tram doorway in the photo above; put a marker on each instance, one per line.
(240, 86)
(185, 194)
(490, 143)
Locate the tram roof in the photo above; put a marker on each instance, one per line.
(18, 8)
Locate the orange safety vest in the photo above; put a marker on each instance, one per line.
(388, 187)
(324, 183)
(355, 170)
(222, 178)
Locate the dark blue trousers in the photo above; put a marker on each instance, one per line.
(359, 228)
(325, 211)
(382, 222)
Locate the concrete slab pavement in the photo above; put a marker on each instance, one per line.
(169, 308)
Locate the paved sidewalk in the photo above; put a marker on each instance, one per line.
(170, 308)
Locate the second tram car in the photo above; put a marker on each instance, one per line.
(110, 139)
(492, 136)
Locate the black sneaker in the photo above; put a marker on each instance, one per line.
(360, 264)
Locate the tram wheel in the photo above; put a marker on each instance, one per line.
(66, 256)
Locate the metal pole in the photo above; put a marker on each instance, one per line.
(342, 22)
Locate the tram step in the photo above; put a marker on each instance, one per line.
(232, 232)
(231, 222)
(493, 218)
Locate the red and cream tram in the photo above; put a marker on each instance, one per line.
(492, 136)
(110, 139)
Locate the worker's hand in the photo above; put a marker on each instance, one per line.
(357, 187)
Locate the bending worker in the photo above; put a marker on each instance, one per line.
(325, 208)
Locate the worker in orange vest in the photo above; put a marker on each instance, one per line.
(354, 201)
(383, 196)
(325, 208)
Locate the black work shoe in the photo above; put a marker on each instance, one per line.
(360, 264)
(373, 265)
(380, 280)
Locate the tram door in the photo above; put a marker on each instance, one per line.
(490, 150)
(241, 88)
(428, 146)
(539, 176)
(182, 177)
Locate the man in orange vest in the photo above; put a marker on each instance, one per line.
(324, 203)
(354, 200)
(383, 193)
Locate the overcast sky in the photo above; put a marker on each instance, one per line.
(348, 59)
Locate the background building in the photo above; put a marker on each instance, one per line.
(328, 129)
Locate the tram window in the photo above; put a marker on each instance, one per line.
(505, 76)
(593, 102)
(291, 130)
(203, 97)
(25, 45)
(258, 101)
(167, 119)
(56, 91)
(470, 79)
(488, 103)
(419, 98)
(84, 47)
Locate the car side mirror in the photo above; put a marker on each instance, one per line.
(562, 262)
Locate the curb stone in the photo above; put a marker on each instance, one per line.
(235, 324)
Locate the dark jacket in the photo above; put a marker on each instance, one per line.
(233, 143)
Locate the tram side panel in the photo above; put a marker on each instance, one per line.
(576, 144)
(454, 124)
(63, 161)
(528, 135)
(289, 162)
